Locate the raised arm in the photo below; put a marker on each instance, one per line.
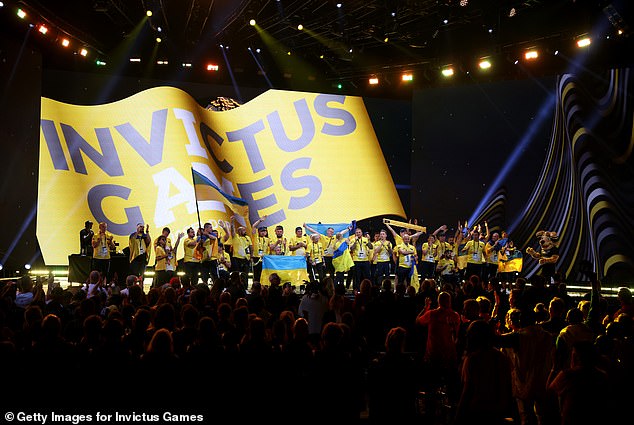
(313, 231)
(254, 226)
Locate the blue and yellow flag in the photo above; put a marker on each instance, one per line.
(206, 190)
(290, 268)
(511, 262)
(322, 228)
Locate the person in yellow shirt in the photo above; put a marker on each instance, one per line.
(139, 244)
(474, 249)
(398, 240)
(191, 262)
(297, 244)
(315, 257)
(406, 258)
(224, 262)
(242, 246)
(279, 243)
(360, 249)
(207, 245)
(328, 242)
(165, 263)
(262, 246)
(428, 261)
(102, 244)
(446, 268)
(382, 254)
(491, 254)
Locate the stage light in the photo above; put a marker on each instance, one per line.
(1, 267)
(490, 30)
(43, 29)
(65, 42)
(386, 39)
(212, 67)
(83, 52)
(135, 60)
(512, 12)
(187, 65)
(445, 21)
(159, 29)
(463, 3)
(288, 53)
(300, 27)
(162, 62)
(556, 52)
(1, 5)
(407, 77)
(27, 266)
(21, 14)
(620, 32)
(584, 42)
(516, 62)
(158, 39)
(321, 56)
(100, 63)
(148, 13)
(447, 72)
(531, 55)
(484, 64)
(373, 81)
(339, 86)
(257, 50)
(350, 50)
(393, 14)
(339, 5)
(252, 22)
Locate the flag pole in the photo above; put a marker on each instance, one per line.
(196, 198)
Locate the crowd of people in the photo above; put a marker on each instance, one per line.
(477, 350)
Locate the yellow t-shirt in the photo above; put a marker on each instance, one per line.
(138, 246)
(189, 251)
(359, 249)
(445, 266)
(283, 243)
(294, 241)
(242, 246)
(430, 256)
(441, 248)
(210, 249)
(102, 251)
(490, 255)
(315, 252)
(382, 250)
(475, 252)
(262, 246)
(227, 258)
(405, 259)
(164, 263)
(328, 243)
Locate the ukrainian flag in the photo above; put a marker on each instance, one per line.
(289, 268)
(341, 258)
(205, 190)
(511, 263)
(322, 228)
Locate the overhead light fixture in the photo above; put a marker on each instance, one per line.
(65, 42)
(556, 52)
(159, 29)
(516, 62)
(27, 266)
(373, 81)
(257, 50)
(212, 67)
(300, 27)
(21, 14)
(136, 60)
(187, 65)
(463, 3)
(158, 39)
(148, 13)
(339, 5)
(512, 12)
(252, 22)
(162, 62)
(620, 32)
(288, 53)
(447, 72)
(407, 77)
(484, 64)
(339, 86)
(445, 21)
(321, 56)
(100, 63)
(83, 52)
(490, 30)
(386, 39)
(531, 55)
(584, 42)
(42, 29)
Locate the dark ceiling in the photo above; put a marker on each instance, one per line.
(338, 45)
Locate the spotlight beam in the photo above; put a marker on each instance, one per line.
(233, 79)
(257, 62)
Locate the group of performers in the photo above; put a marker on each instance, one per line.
(211, 253)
